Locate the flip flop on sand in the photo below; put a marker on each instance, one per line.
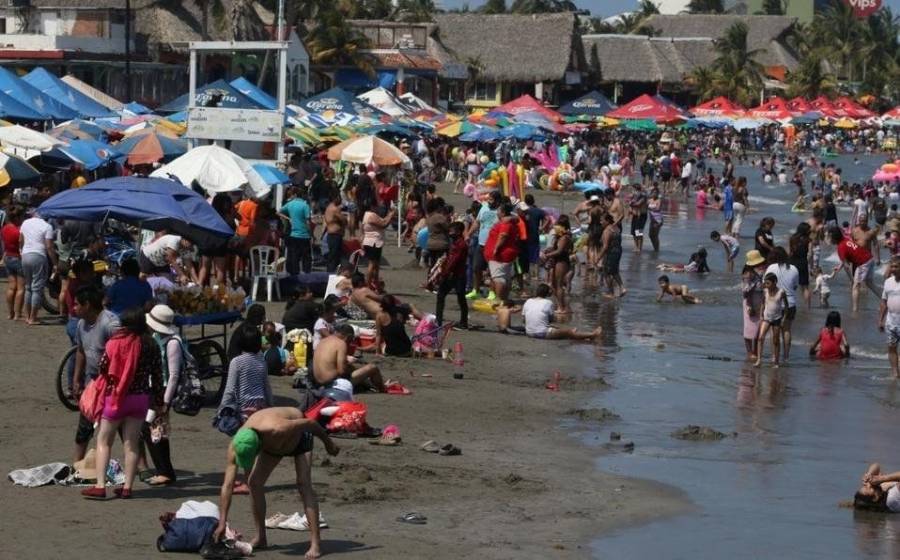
(450, 450)
(413, 518)
(387, 440)
(396, 388)
(431, 446)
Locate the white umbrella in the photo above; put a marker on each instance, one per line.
(21, 138)
(384, 101)
(216, 170)
(366, 149)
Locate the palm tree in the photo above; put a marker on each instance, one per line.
(838, 30)
(542, 6)
(740, 75)
(705, 7)
(704, 81)
(811, 79)
(494, 7)
(415, 10)
(773, 8)
(334, 42)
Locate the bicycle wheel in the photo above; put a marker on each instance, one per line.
(51, 295)
(212, 368)
(63, 387)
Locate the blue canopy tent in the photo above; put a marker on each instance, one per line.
(339, 101)
(230, 98)
(482, 134)
(146, 202)
(33, 98)
(357, 79)
(593, 104)
(271, 175)
(67, 95)
(90, 154)
(136, 108)
(13, 110)
(250, 90)
(521, 131)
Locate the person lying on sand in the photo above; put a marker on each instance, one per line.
(268, 436)
(676, 291)
(879, 492)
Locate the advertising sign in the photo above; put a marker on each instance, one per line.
(252, 125)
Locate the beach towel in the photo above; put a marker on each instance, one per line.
(51, 473)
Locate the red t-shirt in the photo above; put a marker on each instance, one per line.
(852, 253)
(509, 250)
(10, 235)
(830, 344)
(387, 193)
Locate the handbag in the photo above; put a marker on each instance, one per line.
(190, 394)
(227, 421)
(159, 428)
(91, 401)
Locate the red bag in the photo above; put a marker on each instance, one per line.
(91, 401)
(350, 417)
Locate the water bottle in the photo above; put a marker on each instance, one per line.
(458, 354)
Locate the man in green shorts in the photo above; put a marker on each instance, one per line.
(258, 447)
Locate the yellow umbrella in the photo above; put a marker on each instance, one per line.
(456, 128)
(845, 122)
(166, 125)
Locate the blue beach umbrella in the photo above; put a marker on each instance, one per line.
(271, 175)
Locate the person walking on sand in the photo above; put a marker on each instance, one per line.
(39, 258)
(889, 313)
(258, 447)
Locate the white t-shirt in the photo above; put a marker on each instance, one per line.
(892, 502)
(35, 232)
(321, 324)
(788, 280)
(155, 251)
(687, 170)
(891, 295)
(332, 287)
(538, 313)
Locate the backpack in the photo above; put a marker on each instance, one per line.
(437, 273)
(190, 395)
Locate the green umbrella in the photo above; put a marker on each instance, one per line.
(640, 124)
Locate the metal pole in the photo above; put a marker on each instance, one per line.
(192, 89)
(280, 22)
(282, 98)
(128, 51)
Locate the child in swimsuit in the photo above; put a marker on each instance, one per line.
(774, 304)
(676, 291)
(731, 245)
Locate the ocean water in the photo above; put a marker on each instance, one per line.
(804, 432)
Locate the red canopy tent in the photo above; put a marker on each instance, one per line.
(823, 105)
(527, 104)
(854, 110)
(892, 114)
(774, 108)
(649, 108)
(798, 106)
(718, 107)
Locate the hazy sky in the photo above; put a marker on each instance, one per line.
(607, 7)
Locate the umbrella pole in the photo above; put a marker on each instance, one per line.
(400, 197)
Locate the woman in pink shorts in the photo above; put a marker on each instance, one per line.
(131, 366)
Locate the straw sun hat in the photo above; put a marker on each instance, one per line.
(754, 258)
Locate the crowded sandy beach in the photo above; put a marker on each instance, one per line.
(587, 318)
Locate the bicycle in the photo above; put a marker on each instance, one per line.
(212, 369)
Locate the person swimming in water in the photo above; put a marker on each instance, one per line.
(674, 290)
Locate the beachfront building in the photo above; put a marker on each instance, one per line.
(802, 10)
(87, 39)
(509, 55)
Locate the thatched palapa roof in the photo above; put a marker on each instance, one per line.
(636, 58)
(511, 47)
(765, 33)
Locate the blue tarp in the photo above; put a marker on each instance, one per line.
(250, 90)
(136, 108)
(271, 175)
(231, 98)
(52, 86)
(147, 202)
(33, 98)
(340, 101)
(594, 104)
(481, 135)
(521, 131)
(12, 109)
(357, 79)
(91, 154)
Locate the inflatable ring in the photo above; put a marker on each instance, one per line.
(484, 306)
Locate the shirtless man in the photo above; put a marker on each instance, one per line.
(335, 222)
(676, 291)
(258, 447)
(865, 237)
(331, 362)
(365, 297)
(615, 207)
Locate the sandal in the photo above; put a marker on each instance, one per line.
(160, 480)
(450, 450)
(94, 493)
(431, 446)
(413, 518)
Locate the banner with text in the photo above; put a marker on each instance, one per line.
(253, 125)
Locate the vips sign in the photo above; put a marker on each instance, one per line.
(251, 125)
(863, 8)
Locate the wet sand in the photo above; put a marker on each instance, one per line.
(523, 487)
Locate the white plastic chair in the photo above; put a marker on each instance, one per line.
(263, 267)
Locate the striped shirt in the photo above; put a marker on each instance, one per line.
(247, 387)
